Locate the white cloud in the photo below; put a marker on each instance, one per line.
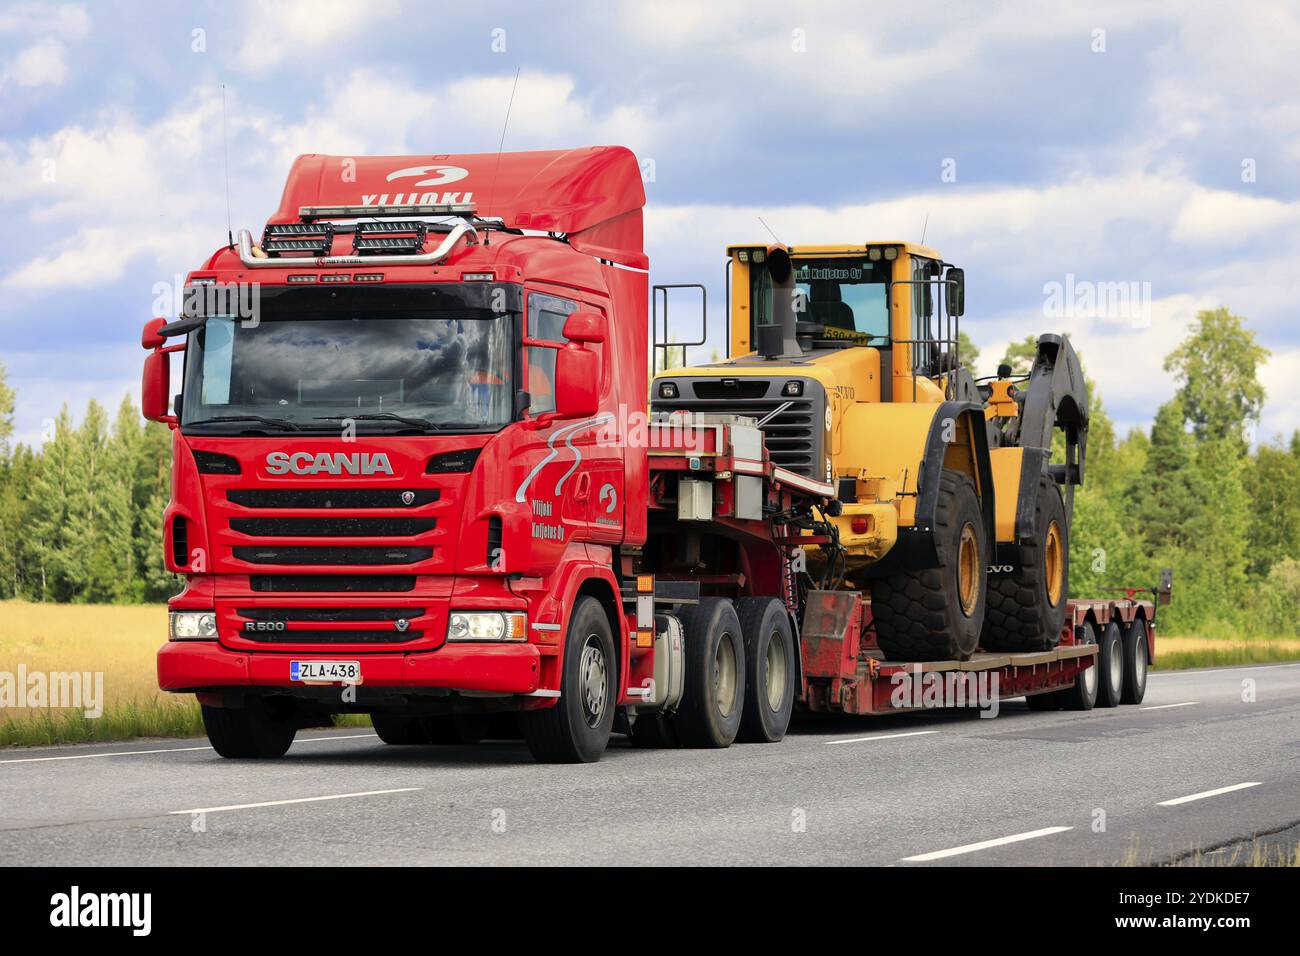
(292, 29)
(65, 19)
(44, 63)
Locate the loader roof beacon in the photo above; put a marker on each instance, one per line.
(416, 479)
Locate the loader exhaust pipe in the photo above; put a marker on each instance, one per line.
(778, 339)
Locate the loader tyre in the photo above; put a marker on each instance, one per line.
(935, 614)
(713, 698)
(251, 731)
(1110, 665)
(1026, 607)
(577, 728)
(1134, 644)
(769, 669)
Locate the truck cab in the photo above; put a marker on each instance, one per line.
(397, 462)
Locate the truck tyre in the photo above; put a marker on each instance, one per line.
(769, 669)
(1110, 666)
(1027, 605)
(713, 697)
(253, 730)
(399, 729)
(1135, 663)
(1083, 695)
(935, 614)
(577, 728)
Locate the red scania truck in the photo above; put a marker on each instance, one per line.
(414, 476)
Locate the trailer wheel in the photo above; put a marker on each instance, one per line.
(1083, 695)
(577, 728)
(1135, 663)
(713, 698)
(769, 669)
(1110, 666)
(399, 730)
(251, 731)
(935, 614)
(1027, 605)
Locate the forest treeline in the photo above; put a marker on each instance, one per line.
(81, 516)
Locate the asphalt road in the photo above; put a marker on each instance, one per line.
(912, 790)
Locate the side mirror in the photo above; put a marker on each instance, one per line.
(155, 387)
(577, 381)
(150, 337)
(585, 326)
(1166, 588)
(955, 289)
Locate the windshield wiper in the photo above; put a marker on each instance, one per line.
(384, 416)
(277, 422)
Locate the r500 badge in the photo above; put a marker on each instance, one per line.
(255, 627)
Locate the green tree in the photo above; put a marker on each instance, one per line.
(1216, 368)
(48, 514)
(7, 401)
(1272, 479)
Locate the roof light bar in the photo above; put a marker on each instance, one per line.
(365, 243)
(312, 239)
(360, 212)
(461, 230)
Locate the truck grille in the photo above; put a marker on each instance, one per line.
(333, 527)
(328, 613)
(333, 637)
(793, 437)
(326, 554)
(331, 583)
(331, 497)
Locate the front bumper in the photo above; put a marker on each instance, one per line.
(188, 666)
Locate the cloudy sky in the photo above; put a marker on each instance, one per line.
(1139, 147)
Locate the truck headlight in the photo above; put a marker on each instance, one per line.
(192, 626)
(487, 626)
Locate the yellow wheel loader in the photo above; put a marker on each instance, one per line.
(950, 512)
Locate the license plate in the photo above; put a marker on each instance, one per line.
(325, 672)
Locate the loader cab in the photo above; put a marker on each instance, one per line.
(895, 298)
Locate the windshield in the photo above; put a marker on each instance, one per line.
(845, 294)
(382, 370)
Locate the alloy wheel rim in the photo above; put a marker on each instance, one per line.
(777, 672)
(594, 681)
(724, 675)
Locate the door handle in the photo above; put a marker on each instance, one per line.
(582, 489)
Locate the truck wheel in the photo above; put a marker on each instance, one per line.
(713, 697)
(653, 732)
(1135, 663)
(1083, 695)
(935, 614)
(769, 669)
(399, 729)
(1027, 605)
(248, 731)
(577, 728)
(1110, 666)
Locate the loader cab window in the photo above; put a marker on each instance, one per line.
(843, 297)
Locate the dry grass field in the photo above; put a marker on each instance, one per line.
(120, 643)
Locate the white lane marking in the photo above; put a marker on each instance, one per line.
(281, 803)
(1206, 793)
(169, 750)
(859, 740)
(1197, 671)
(984, 845)
(1186, 703)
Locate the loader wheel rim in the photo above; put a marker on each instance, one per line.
(968, 570)
(777, 672)
(724, 674)
(1054, 564)
(594, 681)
